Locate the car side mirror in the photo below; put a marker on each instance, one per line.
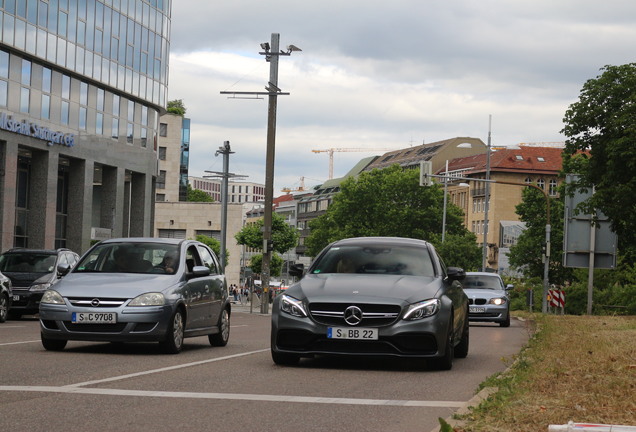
(198, 271)
(509, 287)
(63, 269)
(297, 270)
(455, 273)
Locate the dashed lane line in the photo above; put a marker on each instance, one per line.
(235, 396)
(152, 371)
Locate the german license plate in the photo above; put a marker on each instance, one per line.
(477, 310)
(16, 298)
(352, 333)
(94, 318)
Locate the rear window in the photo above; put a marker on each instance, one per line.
(482, 282)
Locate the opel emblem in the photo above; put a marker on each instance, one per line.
(95, 302)
(353, 315)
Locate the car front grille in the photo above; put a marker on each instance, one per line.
(477, 301)
(401, 344)
(94, 328)
(97, 302)
(373, 315)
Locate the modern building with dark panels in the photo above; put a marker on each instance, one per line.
(82, 86)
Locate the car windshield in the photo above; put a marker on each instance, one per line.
(380, 259)
(27, 263)
(482, 282)
(130, 257)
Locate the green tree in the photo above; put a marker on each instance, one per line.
(460, 250)
(601, 132)
(275, 266)
(176, 107)
(284, 236)
(197, 195)
(527, 254)
(388, 202)
(215, 245)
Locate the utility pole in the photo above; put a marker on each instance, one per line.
(225, 175)
(486, 199)
(271, 52)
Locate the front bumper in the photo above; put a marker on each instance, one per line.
(134, 324)
(490, 313)
(25, 301)
(425, 338)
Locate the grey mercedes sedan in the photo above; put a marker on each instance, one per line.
(139, 290)
(373, 296)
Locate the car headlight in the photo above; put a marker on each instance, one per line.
(40, 287)
(52, 297)
(292, 306)
(422, 309)
(498, 301)
(148, 299)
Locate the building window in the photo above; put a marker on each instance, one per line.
(553, 187)
(64, 112)
(541, 183)
(82, 118)
(4, 86)
(163, 129)
(162, 153)
(160, 197)
(161, 180)
(25, 95)
(528, 180)
(115, 128)
(129, 133)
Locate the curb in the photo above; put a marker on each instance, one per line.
(465, 409)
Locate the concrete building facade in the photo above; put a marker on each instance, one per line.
(82, 85)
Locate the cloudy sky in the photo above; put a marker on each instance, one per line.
(384, 75)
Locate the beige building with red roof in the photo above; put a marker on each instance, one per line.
(524, 165)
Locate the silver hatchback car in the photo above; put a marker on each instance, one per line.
(139, 290)
(487, 297)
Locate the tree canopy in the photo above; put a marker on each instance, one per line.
(176, 107)
(390, 202)
(197, 195)
(601, 136)
(215, 245)
(284, 236)
(527, 254)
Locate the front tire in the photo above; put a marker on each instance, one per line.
(173, 343)
(4, 307)
(53, 344)
(506, 323)
(461, 350)
(446, 361)
(223, 336)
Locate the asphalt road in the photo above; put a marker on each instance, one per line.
(134, 387)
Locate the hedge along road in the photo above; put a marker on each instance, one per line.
(111, 387)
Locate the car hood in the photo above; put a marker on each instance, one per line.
(112, 284)
(484, 293)
(335, 287)
(25, 279)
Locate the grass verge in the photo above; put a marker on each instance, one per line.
(579, 368)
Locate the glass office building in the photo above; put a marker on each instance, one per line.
(82, 86)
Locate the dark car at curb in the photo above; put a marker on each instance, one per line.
(373, 296)
(33, 271)
(6, 297)
(488, 298)
(139, 290)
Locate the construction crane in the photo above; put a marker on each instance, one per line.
(300, 188)
(332, 150)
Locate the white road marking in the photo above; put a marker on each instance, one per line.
(181, 366)
(234, 396)
(17, 343)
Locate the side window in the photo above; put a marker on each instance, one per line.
(208, 260)
(442, 265)
(192, 258)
